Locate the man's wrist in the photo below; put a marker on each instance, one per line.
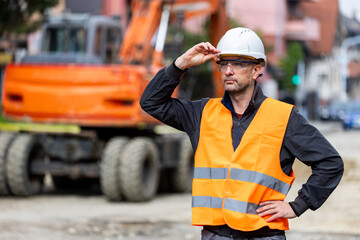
(299, 206)
(180, 63)
(174, 72)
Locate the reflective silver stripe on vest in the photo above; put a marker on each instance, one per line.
(211, 173)
(206, 201)
(230, 204)
(239, 206)
(260, 178)
(243, 175)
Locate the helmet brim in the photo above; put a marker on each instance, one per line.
(250, 56)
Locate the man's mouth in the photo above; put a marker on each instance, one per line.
(229, 81)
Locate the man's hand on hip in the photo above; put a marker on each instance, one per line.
(196, 55)
(278, 209)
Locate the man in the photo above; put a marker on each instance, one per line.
(245, 144)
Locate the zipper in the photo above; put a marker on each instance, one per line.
(238, 124)
(237, 132)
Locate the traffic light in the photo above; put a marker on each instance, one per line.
(296, 79)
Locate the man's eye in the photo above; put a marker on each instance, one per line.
(237, 64)
(223, 64)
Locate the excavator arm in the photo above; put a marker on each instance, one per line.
(145, 35)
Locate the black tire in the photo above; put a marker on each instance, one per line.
(23, 151)
(5, 140)
(183, 174)
(109, 168)
(139, 170)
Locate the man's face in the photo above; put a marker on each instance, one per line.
(237, 74)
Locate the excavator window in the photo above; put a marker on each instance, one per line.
(107, 45)
(98, 41)
(65, 39)
(113, 41)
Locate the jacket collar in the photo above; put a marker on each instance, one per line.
(256, 100)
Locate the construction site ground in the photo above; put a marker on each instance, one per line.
(86, 215)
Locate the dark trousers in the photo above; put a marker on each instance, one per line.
(207, 235)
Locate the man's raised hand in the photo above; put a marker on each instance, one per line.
(196, 55)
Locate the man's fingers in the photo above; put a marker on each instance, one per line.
(209, 56)
(268, 212)
(201, 47)
(266, 209)
(211, 48)
(266, 206)
(278, 209)
(273, 217)
(267, 203)
(196, 55)
(270, 209)
(206, 45)
(207, 48)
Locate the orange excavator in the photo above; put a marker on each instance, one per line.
(91, 75)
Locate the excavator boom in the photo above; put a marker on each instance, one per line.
(149, 15)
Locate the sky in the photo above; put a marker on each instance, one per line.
(347, 7)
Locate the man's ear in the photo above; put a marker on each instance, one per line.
(257, 71)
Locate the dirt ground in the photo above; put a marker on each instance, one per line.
(88, 216)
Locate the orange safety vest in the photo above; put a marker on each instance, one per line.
(228, 186)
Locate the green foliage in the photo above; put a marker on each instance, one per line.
(15, 14)
(288, 65)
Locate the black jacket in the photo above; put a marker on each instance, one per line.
(302, 140)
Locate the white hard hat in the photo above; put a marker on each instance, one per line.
(242, 42)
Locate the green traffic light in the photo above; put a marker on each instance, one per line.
(296, 80)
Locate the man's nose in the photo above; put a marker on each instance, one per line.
(228, 70)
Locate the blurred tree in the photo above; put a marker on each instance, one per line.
(288, 65)
(15, 15)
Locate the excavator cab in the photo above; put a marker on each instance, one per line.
(79, 39)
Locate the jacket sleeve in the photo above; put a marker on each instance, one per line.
(307, 144)
(156, 100)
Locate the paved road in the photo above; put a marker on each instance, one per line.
(89, 216)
